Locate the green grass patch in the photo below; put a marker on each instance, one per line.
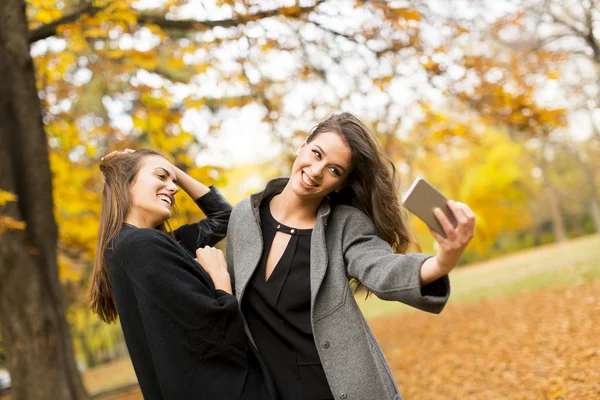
(571, 263)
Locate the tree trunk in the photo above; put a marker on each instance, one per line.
(558, 222)
(35, 333)
(590, 178)
(594, 202)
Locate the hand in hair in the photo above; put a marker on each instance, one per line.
(452, 247)
(115, 153)
(213, 262)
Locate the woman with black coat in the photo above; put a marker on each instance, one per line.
(171, 292)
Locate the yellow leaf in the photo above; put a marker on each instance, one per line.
(47, 15)
(554, 75)
(145, 60)
(7, 223)
(127, 16)
(555, 394)
(96, 33)
(5, 197)
(407, 14)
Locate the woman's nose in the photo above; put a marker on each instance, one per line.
(172, 187)
(317, 169)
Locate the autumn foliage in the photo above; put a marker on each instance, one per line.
(498, 117)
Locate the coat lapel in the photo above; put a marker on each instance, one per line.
(249, 254)
(251, 248)
(318, 252)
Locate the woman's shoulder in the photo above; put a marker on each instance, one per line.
(241, 209)
(131, 238)
(243, 205)
(131, 234)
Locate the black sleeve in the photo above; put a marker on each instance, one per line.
(195, 333)
(210, 230)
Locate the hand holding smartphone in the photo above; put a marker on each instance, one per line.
(421, 198)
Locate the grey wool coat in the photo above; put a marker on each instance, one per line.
(344, 244)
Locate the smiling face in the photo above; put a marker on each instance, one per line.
(321, 166)
(152, 193)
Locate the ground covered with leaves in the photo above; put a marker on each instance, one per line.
(538, 345)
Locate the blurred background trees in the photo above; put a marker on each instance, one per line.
(496, 103)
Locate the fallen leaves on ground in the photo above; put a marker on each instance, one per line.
(538, 345)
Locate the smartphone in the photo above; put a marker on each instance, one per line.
(421, 198)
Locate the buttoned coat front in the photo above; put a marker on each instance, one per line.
(344, 244)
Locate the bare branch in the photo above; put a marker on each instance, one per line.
(335, 33)
(561, 21)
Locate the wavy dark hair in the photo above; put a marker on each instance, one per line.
(119, 173)
(372, 185)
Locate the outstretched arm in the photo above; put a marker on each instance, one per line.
(388, 275)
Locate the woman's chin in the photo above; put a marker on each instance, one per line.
(165, 215)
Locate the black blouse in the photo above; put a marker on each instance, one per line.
(277, 311)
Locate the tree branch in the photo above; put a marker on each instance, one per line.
(50, 29)
(45, 31)
(590, 38)
(335, 33)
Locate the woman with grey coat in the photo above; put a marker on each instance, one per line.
(293, 248)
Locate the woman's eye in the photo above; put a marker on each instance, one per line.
(335, 171)
(316, 153)
(162, 177)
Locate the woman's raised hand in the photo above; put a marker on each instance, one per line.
(213, 262)
(452, 247)
(116, 152)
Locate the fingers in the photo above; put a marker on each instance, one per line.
(445, 222)
(466, 224)
(460, 234)
(462, 212)
(208, 249)
(115, 153)
(457, 210)
(210, 255)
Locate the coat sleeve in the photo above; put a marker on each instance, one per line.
(210, 230)
(390, 276)
(194, 333)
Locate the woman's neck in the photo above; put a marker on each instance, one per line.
(292, 210)
(139, 222)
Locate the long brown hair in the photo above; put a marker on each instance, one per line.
(119, 173)
(372, 185)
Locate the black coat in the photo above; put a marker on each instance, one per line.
(186, 339)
